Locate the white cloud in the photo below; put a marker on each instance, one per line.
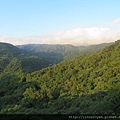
(14, 41)
(79, 36)
(116, 21)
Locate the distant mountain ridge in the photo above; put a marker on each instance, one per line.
(57, 53)
(33, 57)
(12, 56)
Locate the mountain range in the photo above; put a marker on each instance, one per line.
(87, 84)
(11, 57)
(57, 53)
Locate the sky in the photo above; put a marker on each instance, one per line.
(77, 22)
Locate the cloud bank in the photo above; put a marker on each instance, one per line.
(116, 21)
(79, 36)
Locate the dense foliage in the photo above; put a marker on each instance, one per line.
(89, 84)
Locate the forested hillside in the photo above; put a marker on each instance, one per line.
(58, 53)
(89, 84)
(13, 59)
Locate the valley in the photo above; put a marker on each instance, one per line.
(57, 53)
(83, 84)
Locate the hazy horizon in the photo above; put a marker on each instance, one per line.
(76, 22)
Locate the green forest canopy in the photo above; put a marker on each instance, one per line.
(89, 84)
